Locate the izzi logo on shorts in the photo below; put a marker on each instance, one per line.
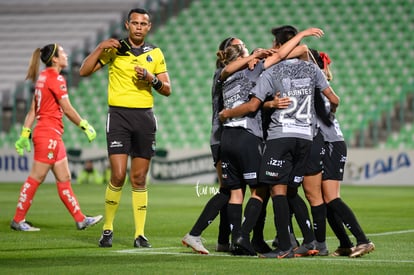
(276, 162)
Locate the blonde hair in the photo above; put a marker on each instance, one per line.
(230, 53)
(45, 54)
(328, 73)
(33, 69)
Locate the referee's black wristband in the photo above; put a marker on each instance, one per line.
(156, 83)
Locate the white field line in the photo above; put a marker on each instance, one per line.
(188, 252)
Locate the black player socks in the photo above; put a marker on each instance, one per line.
(319, 221)
(338, 228)
(349, 219)
(300, 210)
(224, 226)
(209, 213)
(281, 219)
(234, 212)
(251, 214)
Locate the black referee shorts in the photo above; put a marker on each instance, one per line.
(131, 131)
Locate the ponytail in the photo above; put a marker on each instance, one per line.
(230, 54)
(221, 58)
(33, 69)
(45, 54)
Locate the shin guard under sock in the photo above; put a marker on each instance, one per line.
(70, 201)
(338, 228)
(349, 219)
(319, 222)
(139, 206)
(301, 212)
(234, 212)
(209, 213)
(252, 212)
(27, 193)
(281, 219)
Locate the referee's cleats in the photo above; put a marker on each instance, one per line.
(106, 238)
(278, 254)
(195, 243)
(88, 222)
(362, 249)
(142, 241)
(23, 226)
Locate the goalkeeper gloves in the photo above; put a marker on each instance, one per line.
(87, 129)
(23, 142)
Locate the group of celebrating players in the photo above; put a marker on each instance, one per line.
(274, 129)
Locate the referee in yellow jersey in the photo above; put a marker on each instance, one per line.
(135, 68)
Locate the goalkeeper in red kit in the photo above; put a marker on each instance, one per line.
(50, 102)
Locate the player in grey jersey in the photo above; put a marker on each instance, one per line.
(240, 163)
(237, 133)
(289, 140)
(218, 203)
(323, 189)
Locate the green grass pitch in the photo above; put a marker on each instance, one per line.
(385, 213)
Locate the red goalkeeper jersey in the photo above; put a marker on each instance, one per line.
(50, 88)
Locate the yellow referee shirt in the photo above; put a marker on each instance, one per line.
(124, 87)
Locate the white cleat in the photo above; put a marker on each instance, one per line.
(195, 243)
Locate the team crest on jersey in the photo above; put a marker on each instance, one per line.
(286, 84)
(63, 87)
(149, 58)
(50, 155)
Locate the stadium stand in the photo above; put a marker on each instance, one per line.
(369, 42)
(77, 25)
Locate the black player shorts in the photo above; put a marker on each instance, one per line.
(284, 161)
(334, 161)
(215, 152)
(314, 165)
(241, 153)
(131, 131)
